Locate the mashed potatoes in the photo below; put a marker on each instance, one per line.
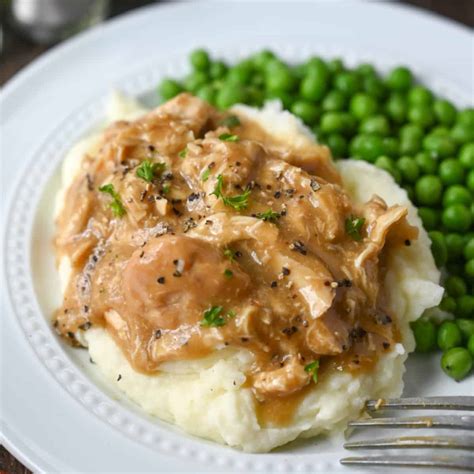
(207, 397)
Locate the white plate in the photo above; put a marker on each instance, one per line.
(56, 415)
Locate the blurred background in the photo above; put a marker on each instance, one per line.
(28, 28)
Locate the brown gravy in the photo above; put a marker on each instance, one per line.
(186, 235)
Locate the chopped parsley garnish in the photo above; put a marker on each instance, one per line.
(353, 227)
(269, 216)
(238, 202)
(183, 153)
(312, 369)
(147, 170)
(231, 313)
(230, 121)
(212, 317)
(228, 137)
(116, 204)
(205, 174)
(230, 254)
(228, 273)
(165, 188)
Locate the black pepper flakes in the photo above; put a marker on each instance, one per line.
(119, 377)
(151, 147)
(161, 280)
(158, 334)
(244, 339)
(277, 195)
(285, 271)
(273, 284)
(86, 308)
(193, 197)
(299, 247)
(85, 326)
(90, 182)
(289, 331)
(315, 186)
(385, 345)
(407, 243)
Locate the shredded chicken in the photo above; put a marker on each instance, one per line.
(186, 236)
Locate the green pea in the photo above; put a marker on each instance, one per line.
(457, 217)
(230, 94)
(449, 335)
(391, 147)
(456, 362)
(335, 65)
(366, 69)
(279, 78)
(426, 163)
(217, 70)
(240, 74)
(466, 117)
(362, 106)
(470, 181)
(399, 78)
(440, 131)
(469, 249)
(469, 267)
(207, 93)
(445, 111)
(195, 80)
(438, 247)
(396, 108)
(199, 59)
(466, 326)
(334, 101)
(336, 122)
(169, 88)
(470, 346)
(338, 145)
(429, 190)
(425, 335)
(466, 156)
(411, 136)
(374, 87)
(462, 134)
(439, 145)
(306, 111)
(455, 245)
(456, 194)
(455, 286)
(347, 82)
(419, 95)
(421, 115)
(448, 304)
(408, 169)
(385, 163)
(314, 86)
(377, 125)
(317, 66)
(465, 306)
(262, 58)
(429, 217)
(367, 147)
(451, 171)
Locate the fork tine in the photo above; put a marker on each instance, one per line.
(446, 442)
(464, 463)
(438, 403)
(463, 422)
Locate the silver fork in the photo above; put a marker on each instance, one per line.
(459, 441)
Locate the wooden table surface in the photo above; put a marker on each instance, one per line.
(20, 51)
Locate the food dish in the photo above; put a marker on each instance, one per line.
(138, 78)
(245, 319)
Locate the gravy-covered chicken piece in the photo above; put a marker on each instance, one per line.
(186, 235)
